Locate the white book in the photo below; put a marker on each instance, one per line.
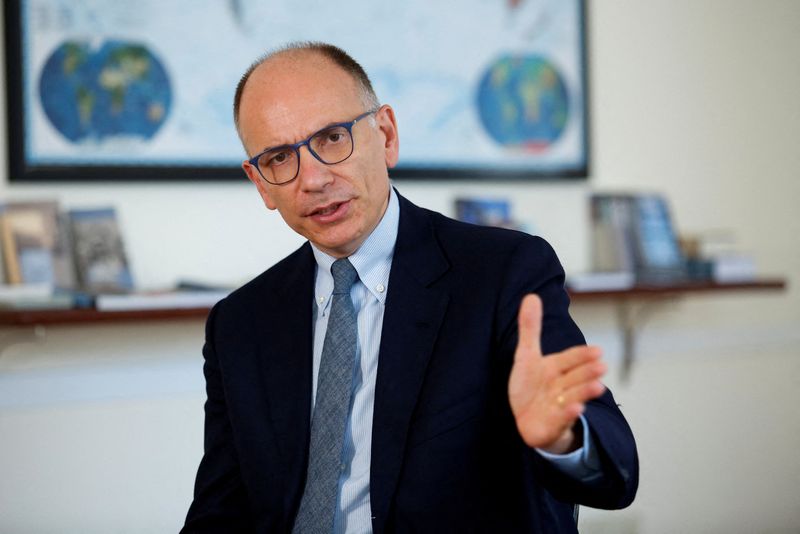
(601, 281)
(15, 292)
(159, 301)
(731, 268)
(41, 296)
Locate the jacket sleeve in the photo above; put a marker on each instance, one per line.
(534, 268)
(220, 502)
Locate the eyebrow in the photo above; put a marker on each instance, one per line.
(273, 147)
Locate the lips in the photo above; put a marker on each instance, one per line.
(327, 210)
(330, 212)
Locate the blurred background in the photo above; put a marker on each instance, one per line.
(101, 425)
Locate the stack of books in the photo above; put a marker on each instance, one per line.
(75, 250)
(51, 259)
(633, 242)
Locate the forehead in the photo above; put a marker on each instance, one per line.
(292, 95)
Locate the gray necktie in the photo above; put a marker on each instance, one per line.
(332, 404)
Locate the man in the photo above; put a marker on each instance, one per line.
(388, 375)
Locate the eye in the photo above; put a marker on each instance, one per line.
(331, 136)
(334, 137)
(276, 158)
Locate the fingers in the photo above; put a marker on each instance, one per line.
(582, 393)
(578, 387)
(575, 357)
(530, 324)
(580, 382)
(582, 374)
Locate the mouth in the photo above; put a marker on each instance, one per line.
(326, 210)
(329, 212)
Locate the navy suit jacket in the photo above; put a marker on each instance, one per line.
(446, 455)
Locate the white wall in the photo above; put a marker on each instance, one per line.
(101, 427)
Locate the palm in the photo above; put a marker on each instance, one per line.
(547, 395)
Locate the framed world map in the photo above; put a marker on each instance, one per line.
(114, 91)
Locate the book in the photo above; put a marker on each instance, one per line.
(657, 251)
(611, 234)
(733, 267)
(715, 255)
(63, 258)
(14, 292)
(159, 300)
(35, 248)
(100, 259)
(3, 276)
(485, 212)
(601, 281)
(634, 234)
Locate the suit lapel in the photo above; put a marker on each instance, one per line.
(414, 312)
(287, 363)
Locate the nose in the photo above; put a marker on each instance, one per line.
(313, 175)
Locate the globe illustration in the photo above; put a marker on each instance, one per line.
(523, 102)
(116, 89)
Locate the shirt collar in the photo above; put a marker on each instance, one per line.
(372, 260)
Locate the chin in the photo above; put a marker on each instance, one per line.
(342, 247)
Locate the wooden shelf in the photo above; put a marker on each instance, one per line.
(630, 306)
(90, 315)
(644, 291)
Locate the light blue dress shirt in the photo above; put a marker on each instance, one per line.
(373, 261)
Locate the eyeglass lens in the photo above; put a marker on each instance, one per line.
(332, 145)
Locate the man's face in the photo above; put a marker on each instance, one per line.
(335, 206)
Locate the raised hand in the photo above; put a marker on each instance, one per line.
(548, 394)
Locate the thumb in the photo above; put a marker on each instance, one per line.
(530, 325)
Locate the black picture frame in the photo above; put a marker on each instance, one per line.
(22, 170)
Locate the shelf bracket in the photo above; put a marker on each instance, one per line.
(631, 316)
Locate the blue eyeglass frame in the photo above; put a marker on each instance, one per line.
(307, 143)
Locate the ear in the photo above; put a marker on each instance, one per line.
(388, 126)
(254, 176)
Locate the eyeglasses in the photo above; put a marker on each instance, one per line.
(333, 144)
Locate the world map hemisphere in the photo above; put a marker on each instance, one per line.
(117, 89)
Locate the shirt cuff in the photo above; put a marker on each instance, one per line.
(582, 464)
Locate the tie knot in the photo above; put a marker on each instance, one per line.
(344, 275)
